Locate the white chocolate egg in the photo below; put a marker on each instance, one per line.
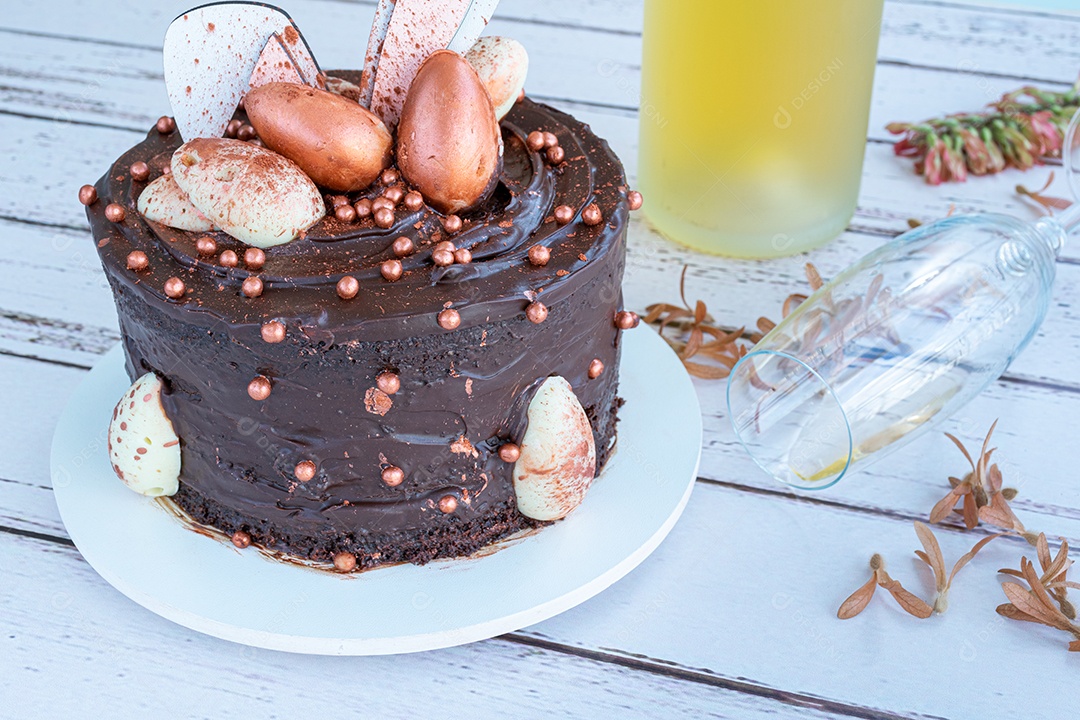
(502, 65)
(253, 194)
(163, 201)
(558, 454)
(143, 446)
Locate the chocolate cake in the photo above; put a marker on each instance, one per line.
(362, 394)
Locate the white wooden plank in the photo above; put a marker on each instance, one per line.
(64, 627)
(745, 589)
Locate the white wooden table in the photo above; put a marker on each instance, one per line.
(734, 616)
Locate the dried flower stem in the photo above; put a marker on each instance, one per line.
(1019, 130)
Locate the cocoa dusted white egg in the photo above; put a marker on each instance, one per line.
(449, 144)
(143, 446)
(340, 145)
(163, 201)
(558, 454)
(502, 65)
(253, 194)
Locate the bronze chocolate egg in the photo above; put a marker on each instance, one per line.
(340, 144)
(449, 144)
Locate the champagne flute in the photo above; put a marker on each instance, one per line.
(897, 342)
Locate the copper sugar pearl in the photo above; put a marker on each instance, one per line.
(137, 261)
(535, 141)
(389, 176)
(254, 258)
(447, 504)
(391, 270)
(550, 139)
(463, 256)
(509, 452)
(363, 208)
(252, 287)
(381, 203)
(394, 194)
(452, 224)
(635, 199)
(344, 562)
(88, 195)
(591, 215)
(626, 320)
(273, 332)
(241, 539)
(232, 128)
(449, 319)
(228, 259)
(165, 125)
(564, 214)
(304, 470)
(205, 246)
(393, 476)
(140, 171)
(115, 213)
(596, 368)
(539, 255)
(384, 218)
(537, 312)
(442, 257)
(413, 201)
(345, 213)
(337, 201)
(402, 246)
(174, 288)
(259, 387)
(246, 132)
(348, 287)
(388, 382)
(555, 155)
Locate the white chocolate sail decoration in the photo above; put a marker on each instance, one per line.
(162, 201)
(558, 454)
(376, 38)
(502, 64)
(417, 28)
(476, 19)
(210, 53)
(253, 194)
(276, 65)
(143, 446)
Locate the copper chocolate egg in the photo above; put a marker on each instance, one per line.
(449, 145)
(340, 144)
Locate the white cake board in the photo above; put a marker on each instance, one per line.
(148, 554)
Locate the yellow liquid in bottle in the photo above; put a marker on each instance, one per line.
(753, 120)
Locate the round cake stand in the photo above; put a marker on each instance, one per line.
(148, 554)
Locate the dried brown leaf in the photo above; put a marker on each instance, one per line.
(1000, 514)
(814, 277)
(911, 603)
(932, 557)
(858, 600)
(943, 507)
(706, 372)
(1027, 604)
(1013, 613)
(956, 441)
(966, 557)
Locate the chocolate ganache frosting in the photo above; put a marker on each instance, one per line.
(380, 418)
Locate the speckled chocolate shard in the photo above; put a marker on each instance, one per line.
(473, 382)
